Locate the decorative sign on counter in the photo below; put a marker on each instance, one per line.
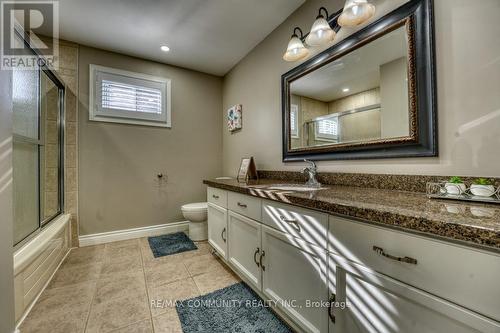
(247, 170)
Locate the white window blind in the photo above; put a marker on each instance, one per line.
(127, 97)
(116, 95)
(327, 128)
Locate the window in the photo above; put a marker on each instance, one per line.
(294, 121)
(37, 156)
(326, 128)
(125, 97)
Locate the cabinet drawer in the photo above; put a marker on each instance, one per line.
(377, 301)
(308, 225)
(244, 205)
(462, 275)
(217, 196)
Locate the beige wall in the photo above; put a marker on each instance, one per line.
(68, 72)
(359, 100)
(360, 126)
(6, 224)
(118, 163)
(394, 96)
(468, 82)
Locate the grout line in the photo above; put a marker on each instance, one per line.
(194, 281)
(102, 261)
(93, 297)
(147, 287)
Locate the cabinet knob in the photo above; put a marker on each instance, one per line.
(215, 196)
(242, 205)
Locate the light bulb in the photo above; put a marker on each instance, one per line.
(295, 50)
(355, 13)
(321, 32)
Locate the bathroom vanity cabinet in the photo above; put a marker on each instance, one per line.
(378, 279)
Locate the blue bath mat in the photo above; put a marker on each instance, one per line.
(170, 244)
(229, 310)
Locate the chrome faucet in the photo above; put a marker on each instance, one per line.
(311, 172)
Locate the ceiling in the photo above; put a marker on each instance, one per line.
(210, 36)
(358, 71)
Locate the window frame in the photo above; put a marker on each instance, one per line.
(98, 72)
(61, 129)
(326, 137)
(294, 109)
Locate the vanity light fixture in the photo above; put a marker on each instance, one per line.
(321, 33)
(165, 48)
(296, 49)
(355, 13)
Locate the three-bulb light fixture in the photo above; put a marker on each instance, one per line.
(355, 12)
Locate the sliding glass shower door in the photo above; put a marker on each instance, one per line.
(26, 121)
(38, 100)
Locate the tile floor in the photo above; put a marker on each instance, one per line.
(110, 288)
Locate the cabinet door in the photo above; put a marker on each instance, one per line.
(217, 229)
(376, 303)
(244, 247)
(294, 276)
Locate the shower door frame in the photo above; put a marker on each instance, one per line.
(40, 142)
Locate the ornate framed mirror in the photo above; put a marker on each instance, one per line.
(371, 95)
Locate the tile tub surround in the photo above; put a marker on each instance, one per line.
(111, 287)
(411, 183)
(470, 224)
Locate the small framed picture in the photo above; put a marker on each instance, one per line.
(234, 121)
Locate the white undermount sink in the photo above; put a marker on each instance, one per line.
(293, 187)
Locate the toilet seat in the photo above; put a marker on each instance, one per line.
(195, 207)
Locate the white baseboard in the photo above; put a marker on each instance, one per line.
(118, 235)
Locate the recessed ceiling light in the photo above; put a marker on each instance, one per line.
(165, 48)
(345, 90)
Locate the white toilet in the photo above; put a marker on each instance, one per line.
(196, 214)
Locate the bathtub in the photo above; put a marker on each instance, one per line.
(36, 262)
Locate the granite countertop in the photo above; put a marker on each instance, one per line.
(471, 224)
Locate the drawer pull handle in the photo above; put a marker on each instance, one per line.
(331, 301)
(242, 205)
(255, 257)
(407, 260)
(260, 260)
(215, 196)
(222, 235)
(291, 221)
